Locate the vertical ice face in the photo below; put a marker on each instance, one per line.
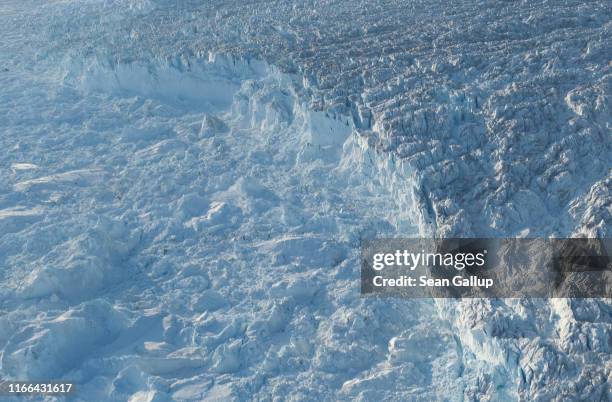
(495, 106)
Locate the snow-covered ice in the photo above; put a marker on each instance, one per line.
(205, 245)
(184, 187)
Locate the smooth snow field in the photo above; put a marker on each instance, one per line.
(185, 185)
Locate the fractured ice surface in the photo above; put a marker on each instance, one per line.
(184, 186)
(494, 104)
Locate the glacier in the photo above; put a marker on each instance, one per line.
(185, 186)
